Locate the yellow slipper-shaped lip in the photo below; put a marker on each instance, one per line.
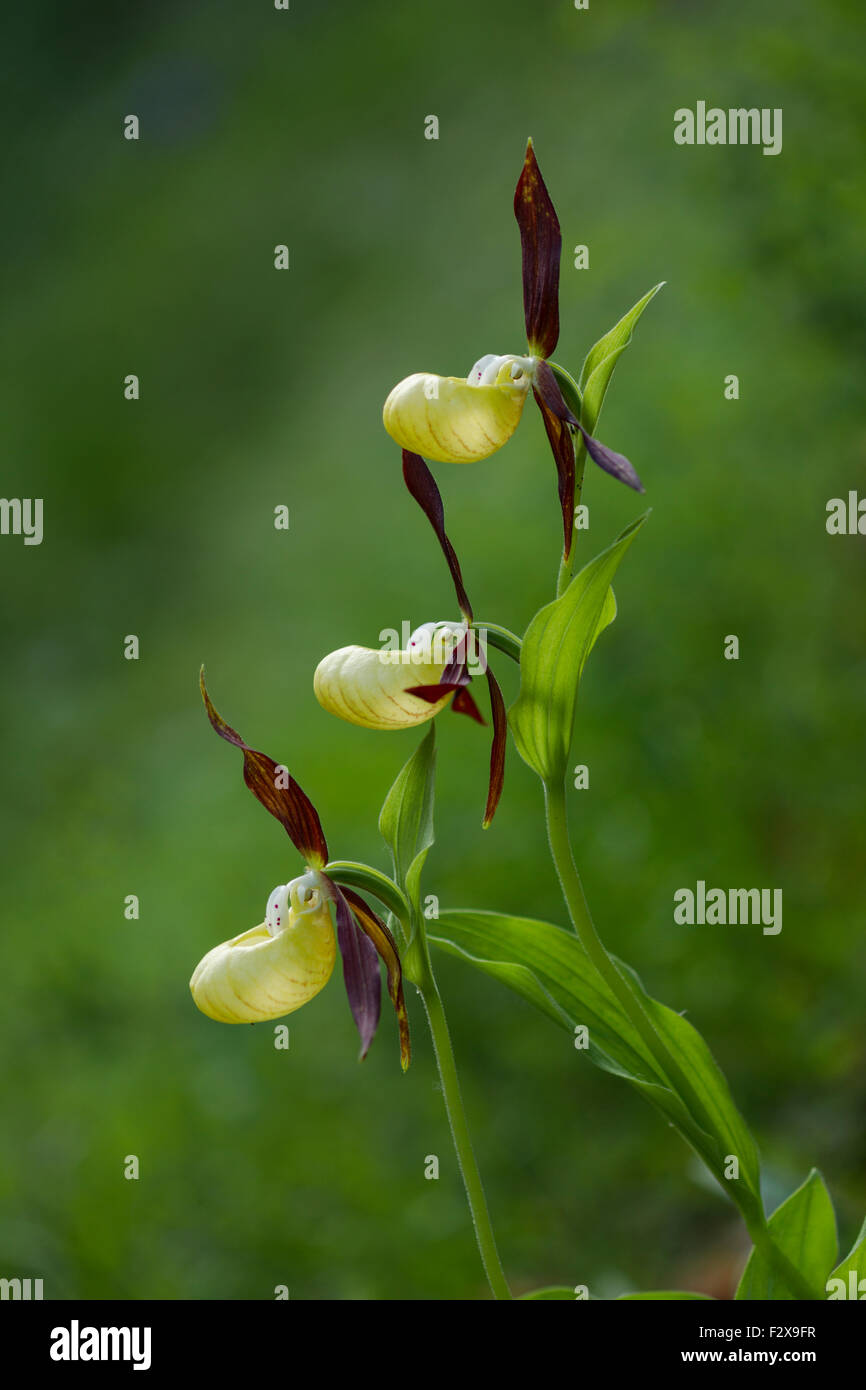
(274, 968)
(372, 688)
(459, 419)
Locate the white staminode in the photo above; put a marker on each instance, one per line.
(491, 370)
(432, 643)
(302, 895)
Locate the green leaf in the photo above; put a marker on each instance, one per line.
(850, 1272)
(804, 1229)
(663, 1294)
(555, 648)
(601, 360)
(549, 967)
(406, 818)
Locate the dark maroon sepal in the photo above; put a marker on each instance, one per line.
(422, 485)
(541, 245)
(288, 804)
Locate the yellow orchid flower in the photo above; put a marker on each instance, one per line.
(396, 689)
(392, 689)
(461, 420)
(274, 968)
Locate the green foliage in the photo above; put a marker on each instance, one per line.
(854, 1264)
(602, 358)
(804, 1228)
(549, 967)
(406, 818)
(372, 881)
(162, 509)
(555, 649)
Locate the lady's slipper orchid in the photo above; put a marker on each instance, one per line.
(274, 968)
(456, 420)
(396, 690)
(377, 688)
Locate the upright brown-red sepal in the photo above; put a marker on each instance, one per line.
(279, 793)
(541, 245)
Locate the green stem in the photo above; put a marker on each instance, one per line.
(422, 976)
(578, 910)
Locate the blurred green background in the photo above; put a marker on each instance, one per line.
(259, 388)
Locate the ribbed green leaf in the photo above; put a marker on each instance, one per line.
(406, 818)
(603, 357)
(804, 1229)
(549, 967)
(555, 649)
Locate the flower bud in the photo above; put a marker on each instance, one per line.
(371, 688)
(452, 420)
(272, 969)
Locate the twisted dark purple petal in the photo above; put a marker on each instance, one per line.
(360, 972)
(497, 751)
(377, 934)
(553, 407)
(562, 447)
(422, 485)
